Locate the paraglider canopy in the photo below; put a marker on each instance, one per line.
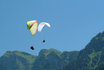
(32, 26)
(41, 25)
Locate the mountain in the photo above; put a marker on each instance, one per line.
(91, 57)
(53, 59)
(48, 59)
(16, 61)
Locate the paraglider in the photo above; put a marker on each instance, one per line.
(43, 41)
(33, 27)
(41, 26)
(32, 48)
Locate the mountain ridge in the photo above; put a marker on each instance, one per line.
(89, 58)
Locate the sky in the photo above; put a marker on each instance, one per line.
(73, 24)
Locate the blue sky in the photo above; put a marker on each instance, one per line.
(73, 24)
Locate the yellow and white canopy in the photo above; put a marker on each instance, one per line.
(32, 26)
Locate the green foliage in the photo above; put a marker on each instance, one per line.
(30, 58)
(16, 61)
(48, 59)
(48, 51)
(52, 59)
